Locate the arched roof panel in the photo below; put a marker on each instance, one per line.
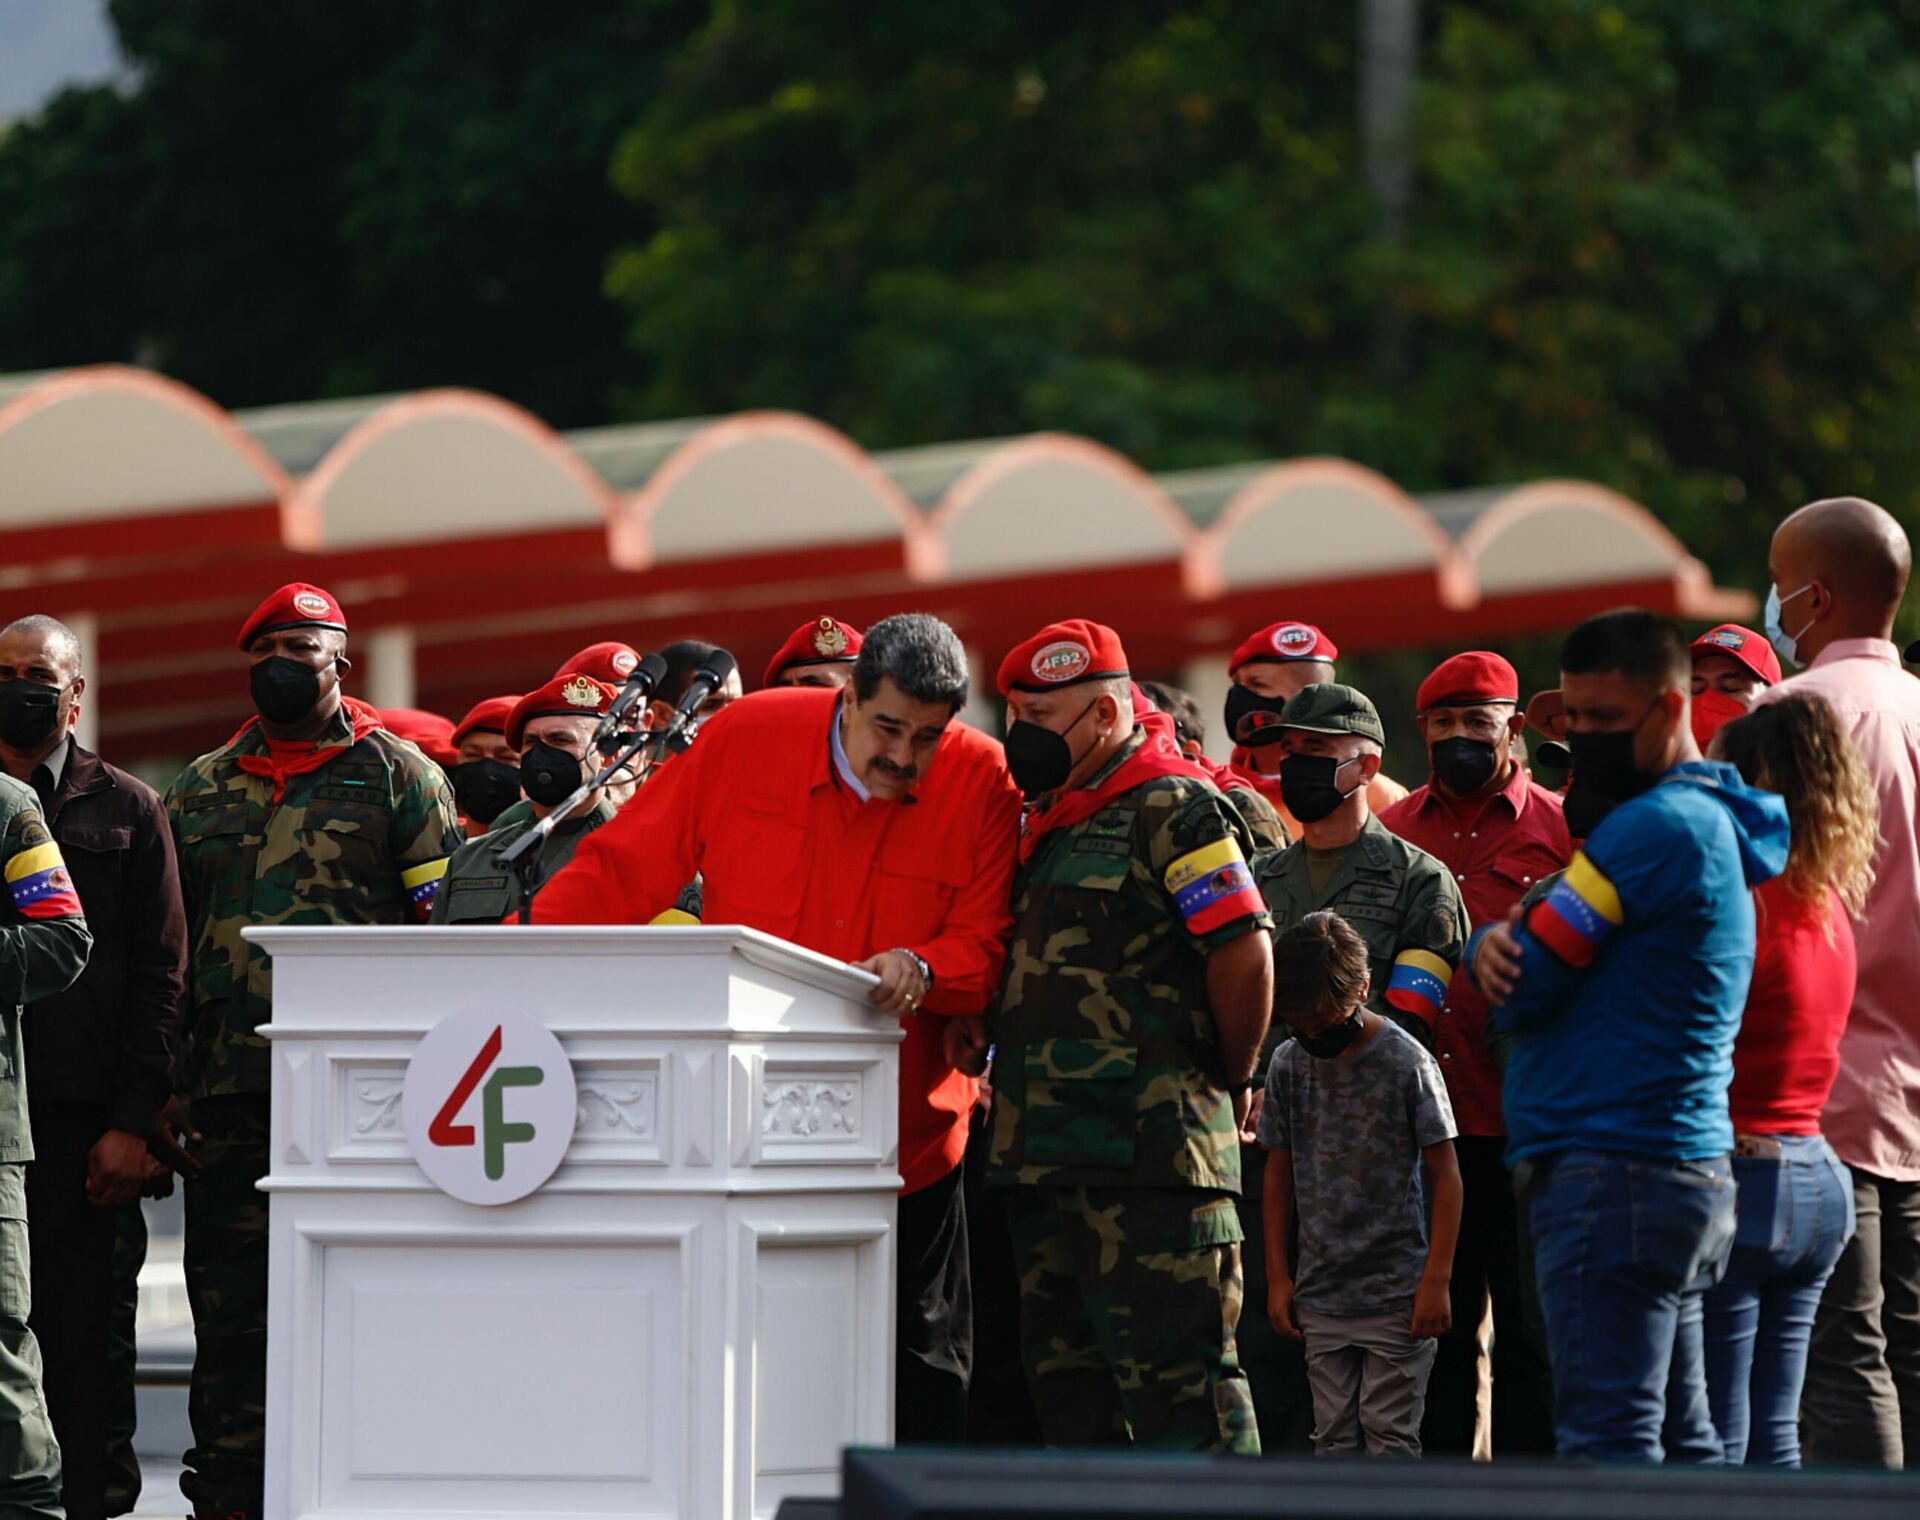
(1320, 520)
(1569, 533)
(1055, 501)
(756, 482)
(110, 442)
(442, 465)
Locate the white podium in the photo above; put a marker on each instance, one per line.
(690, 1318)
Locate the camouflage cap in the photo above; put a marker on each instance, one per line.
(1334, 709)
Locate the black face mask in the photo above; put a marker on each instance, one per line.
(1329, 1043)
(485, 789)
(1463, 765)
(29, 713)
(1242, 700)
(284, 690)
(1604, 776)
(549, 776)
(1040, 759)
(1310, 785)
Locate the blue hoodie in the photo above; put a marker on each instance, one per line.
(1635, 970)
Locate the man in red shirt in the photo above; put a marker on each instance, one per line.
(1498, 833)
(866, 825)
(1731, 666)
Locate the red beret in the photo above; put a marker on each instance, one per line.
(569, 694)
(490, 715)
(824, 641)
(296, 606)
(431, 732)
(1477, 676)
(1283, 643)
(611, 662)
(1063, 654)
(1742, 645)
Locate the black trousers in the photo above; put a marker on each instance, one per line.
(73, 1297)
(1492, 1258)
(1000, 1408)
(933, 1316)
(1276, 1364)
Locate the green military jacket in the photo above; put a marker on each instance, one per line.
(1402, 901)
(1107, 1066)
(1264, 823)
(43, 946)
(479, 890)
(362, 840)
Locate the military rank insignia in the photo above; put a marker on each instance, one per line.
(828, 641)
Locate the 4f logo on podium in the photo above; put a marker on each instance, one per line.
(489, 1106)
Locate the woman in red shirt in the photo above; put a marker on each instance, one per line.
(1795, 1199)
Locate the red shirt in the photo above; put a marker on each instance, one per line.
(758, 808)
(1788, 1051)
(1496, 847)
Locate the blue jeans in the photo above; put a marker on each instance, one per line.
(1795, 1217)
(1626, 1248)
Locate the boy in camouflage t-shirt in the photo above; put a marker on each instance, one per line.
(1350, 1108)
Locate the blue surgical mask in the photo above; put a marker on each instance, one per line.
(1785, 645)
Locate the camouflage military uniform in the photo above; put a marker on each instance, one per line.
(43, 949)
(1113, 1131)
(477, 889)
(1406, 906)
(1264, 823)
(362, 840)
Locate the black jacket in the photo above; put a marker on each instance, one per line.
(108, 1038)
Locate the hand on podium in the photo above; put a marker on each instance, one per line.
(903, 985)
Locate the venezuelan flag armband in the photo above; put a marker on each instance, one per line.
(1419, 984)
(1579, 915)
(1213, 886)
(421, 883)
(38, 882)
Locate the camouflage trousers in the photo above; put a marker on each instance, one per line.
(29, 1455)
(226, 1264)
(1129, 1298)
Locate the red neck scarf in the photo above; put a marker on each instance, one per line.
(282, 762)
(1159, 755)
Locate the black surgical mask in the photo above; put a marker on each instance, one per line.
(1040, 759)
(1310, 785)
(29, 713)
(1463, 765)
(1329, 1043)
(549, 776)
(485, 788)
(1604, 776)
(1242, 700)
(284, 690)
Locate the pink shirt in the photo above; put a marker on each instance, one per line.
(1873, 1117)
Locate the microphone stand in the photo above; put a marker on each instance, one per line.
(521, 859)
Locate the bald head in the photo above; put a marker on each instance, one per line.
(1841, 568)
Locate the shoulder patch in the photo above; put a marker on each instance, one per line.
(28, 829)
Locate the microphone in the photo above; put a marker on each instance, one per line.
(708, 679)
(639, 686)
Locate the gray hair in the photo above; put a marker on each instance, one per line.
(920, 654)
(61, 639)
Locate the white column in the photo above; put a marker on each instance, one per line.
(390, 682)
(1207, 680)
(86, 628)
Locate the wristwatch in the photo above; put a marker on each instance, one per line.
(920, 965)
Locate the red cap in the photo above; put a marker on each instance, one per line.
(490, 715)
(569, 694)
(1284, 643)
(1063, 654)
(1742, 645)
(824, 641)
(611, 662)
(296, 606)
(431, 732)
(1477, 676)
(1547, 713)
